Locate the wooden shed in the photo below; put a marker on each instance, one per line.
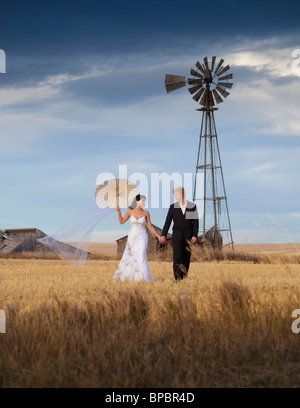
(25, 239)
(212, 237)
(29, 237)
(154, 245)
(9, 243)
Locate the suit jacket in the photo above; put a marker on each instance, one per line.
(185, 225)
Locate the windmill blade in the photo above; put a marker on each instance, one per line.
(226, 77)
(222, 91)
(225, 84)
(204, 98)
(193, 81)
(173, 82)
(213, 63)
(223, 70)
(197, 96)
(194, 89)
(219, 65)
(217, 96)
(199, 66)
(206, 63)
(195, 73)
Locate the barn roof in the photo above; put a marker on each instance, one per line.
(210, 233)
(18, 230)
(9, 243)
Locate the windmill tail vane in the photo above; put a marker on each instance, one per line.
(209, 86)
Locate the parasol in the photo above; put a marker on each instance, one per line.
(116, 192)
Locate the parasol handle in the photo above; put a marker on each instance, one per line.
(118, 192)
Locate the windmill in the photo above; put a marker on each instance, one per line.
(208, 86)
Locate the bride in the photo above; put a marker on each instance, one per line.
(134, 263)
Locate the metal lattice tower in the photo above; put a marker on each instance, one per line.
(207, 86)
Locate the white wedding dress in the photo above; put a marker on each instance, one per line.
(134, 262)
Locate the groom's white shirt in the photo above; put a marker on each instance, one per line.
(183, 207)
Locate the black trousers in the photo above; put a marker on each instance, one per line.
(181, 259)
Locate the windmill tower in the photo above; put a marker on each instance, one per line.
(209, 84)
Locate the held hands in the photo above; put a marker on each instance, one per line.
(118, 208)
(162, 239)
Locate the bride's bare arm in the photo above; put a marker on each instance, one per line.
(150, 226)
(125, 218)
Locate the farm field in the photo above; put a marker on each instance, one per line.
(227, 325)
(110, 249)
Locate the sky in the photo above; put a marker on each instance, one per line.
(83, 93)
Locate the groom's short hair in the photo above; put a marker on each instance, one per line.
(178, 189)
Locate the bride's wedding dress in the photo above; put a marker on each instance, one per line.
(134, 262)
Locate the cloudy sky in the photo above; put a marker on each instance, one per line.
(84, 92)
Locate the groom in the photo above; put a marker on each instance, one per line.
(186, 224)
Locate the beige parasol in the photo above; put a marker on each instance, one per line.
(115, 192)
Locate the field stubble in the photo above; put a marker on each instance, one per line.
(227, 325)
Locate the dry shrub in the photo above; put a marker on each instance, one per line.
(209, 254)
(30, 255)
(234, 297)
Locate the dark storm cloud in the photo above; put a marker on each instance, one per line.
(48, 38)
(83, 27)
(31, 69)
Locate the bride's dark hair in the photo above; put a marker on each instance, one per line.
(137, 198)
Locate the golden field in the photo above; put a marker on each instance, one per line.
(227, 325)
(110, 249)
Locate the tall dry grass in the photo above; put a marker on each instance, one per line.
(209, 254)
(227, 325)
(47, 255)
(198, 254)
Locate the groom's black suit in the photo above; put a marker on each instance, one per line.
(185, 227)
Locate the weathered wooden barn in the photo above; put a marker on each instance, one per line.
(25, 239)
(28, 236)
(154, 245)
(214, 239)
(9, 242)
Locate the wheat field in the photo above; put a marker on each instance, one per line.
(228, 324)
